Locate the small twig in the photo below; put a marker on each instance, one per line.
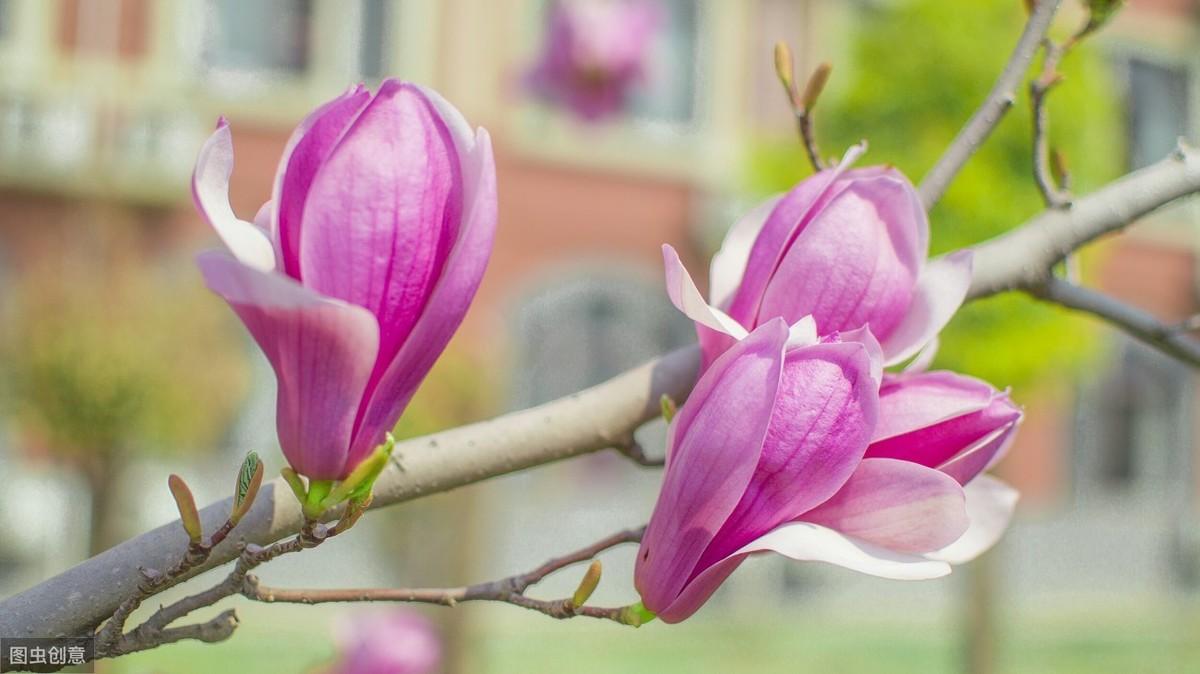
(155, 582)
(509, 590)
(213, 631)
(1054, 195)
(998, 101)
(1137, 322)
(803, 102)
(155, 630)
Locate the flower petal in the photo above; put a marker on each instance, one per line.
(909, 403)
(990, 506)
(944, 420)
(322, 351)
(790, 214)
(807, 542)
(383, 212)
(305, 152)
(981, 455)
(855, 261)
(210, 191)
(820, 426)
(940, 291)
(804, 541)
(898, 505)
(684, 295)
(711, 461)
(729, 263)
(447, 304)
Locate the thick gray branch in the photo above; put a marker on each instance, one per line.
(1022, 258)
(1137, 322)
(77, 600)
(998, 101)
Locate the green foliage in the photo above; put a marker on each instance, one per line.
(919, 69)
(103, 352)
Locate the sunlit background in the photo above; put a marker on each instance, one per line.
(117, 367)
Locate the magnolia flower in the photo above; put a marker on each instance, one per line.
(394, 641)
(594, 54)
(361, 266)
(770, 454)
(847, 247)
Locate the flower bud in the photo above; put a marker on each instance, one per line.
(361, 266)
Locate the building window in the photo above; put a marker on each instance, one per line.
(264, 38)
(583, 330)
(1132, 431)
(6, 19)
(375, 38)
(1156, 110)
(671, 94)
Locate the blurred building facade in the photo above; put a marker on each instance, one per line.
(106, 101)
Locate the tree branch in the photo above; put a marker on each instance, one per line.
(1022, 259)
(74, 602)
(998, 101)
(509, 590)
(1132, 320)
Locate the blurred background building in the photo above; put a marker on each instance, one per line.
(104, 103)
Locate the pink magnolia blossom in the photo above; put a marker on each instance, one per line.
(846, 246)
(772, 453)
(396, 641)
(359, 269)
(594, 54)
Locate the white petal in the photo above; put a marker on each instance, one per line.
(939, 293)
(924, 357)
(729, 263)
(210, 189)
(802, 333)
(990, 505)
(684, 295)
(813, 543)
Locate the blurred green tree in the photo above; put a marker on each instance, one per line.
(107, 354)
(918, 70)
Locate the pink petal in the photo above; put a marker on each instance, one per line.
(383, 212)
(210, 191)
(448, 302)
(940, 291)
(711, 461)
(820, 425)
(306, 150)
(981, 455)
(804, 541)
(896, 505)
(854, 262)
(790, 214)
(943, 420)
(990, 506)
(322, 351)
(911, 402)
(729, 263)
(716, 330)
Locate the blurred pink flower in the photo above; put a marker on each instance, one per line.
(771, 453)
(594, 54)
(847, 247)
(396, 641)
(357, 272)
